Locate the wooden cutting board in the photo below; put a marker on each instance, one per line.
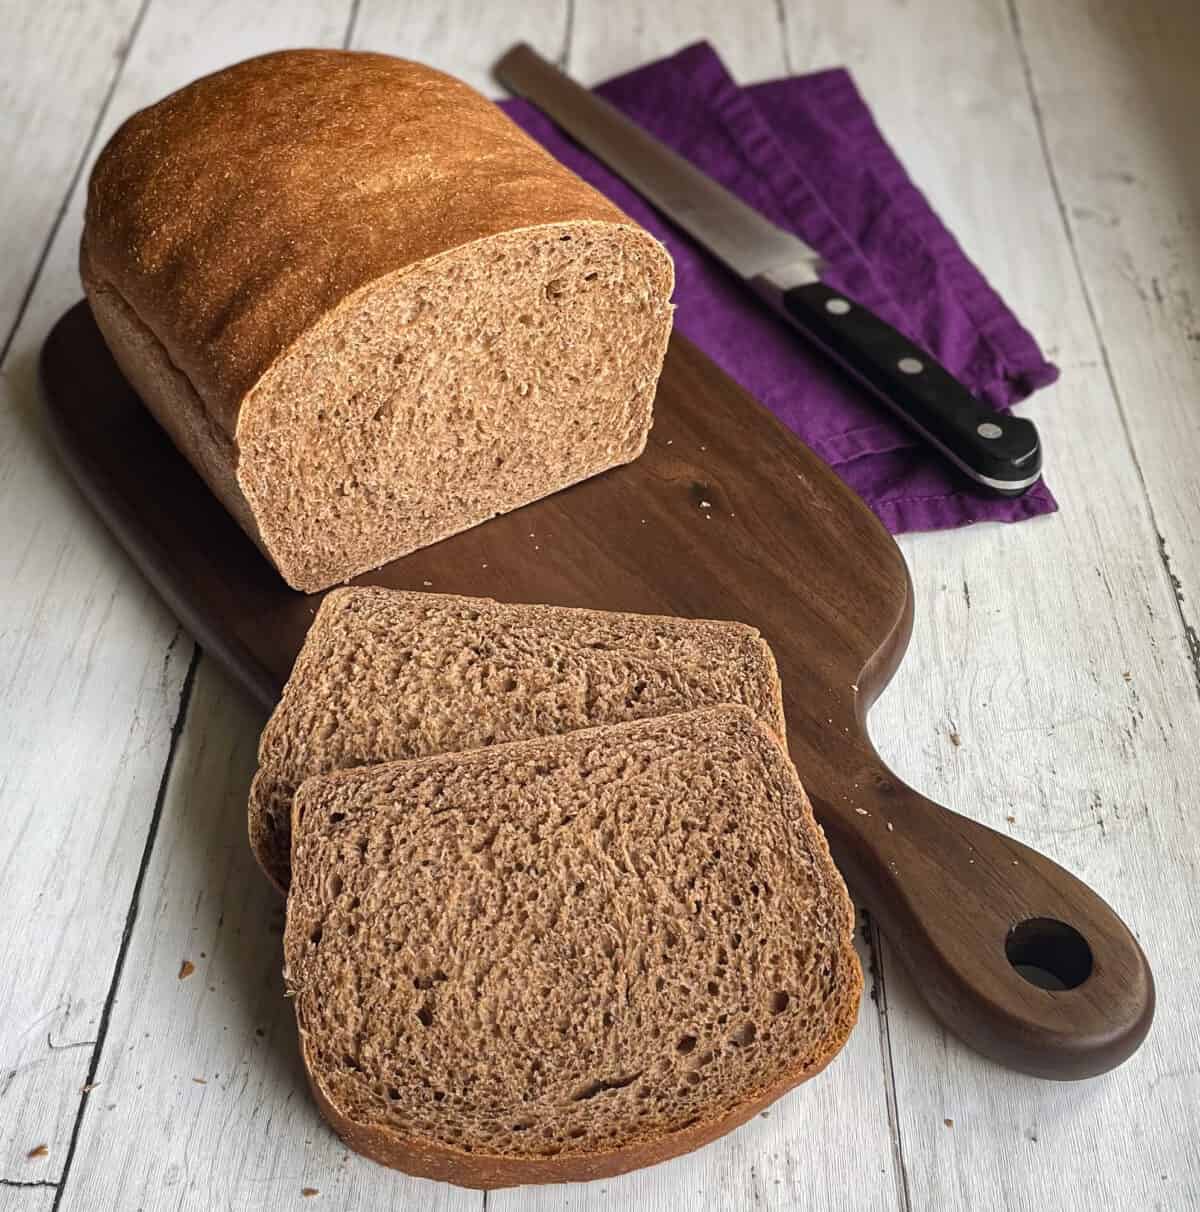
(727, 515)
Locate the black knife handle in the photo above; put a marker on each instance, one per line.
(996, 449)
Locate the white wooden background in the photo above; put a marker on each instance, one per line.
(1052, 687)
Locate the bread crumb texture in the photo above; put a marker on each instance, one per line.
(567, 948)
(387, 674)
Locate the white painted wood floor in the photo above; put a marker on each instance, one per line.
(1052, 687)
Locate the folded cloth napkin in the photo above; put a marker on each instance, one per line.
(806, 152)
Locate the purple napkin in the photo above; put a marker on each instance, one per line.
(806, 152)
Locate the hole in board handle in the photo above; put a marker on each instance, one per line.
(1049, 953)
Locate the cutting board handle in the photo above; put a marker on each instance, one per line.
(978, 918)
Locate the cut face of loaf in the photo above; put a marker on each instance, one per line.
(386, 675)
(369, 325)
(561, 959)
(492, 376)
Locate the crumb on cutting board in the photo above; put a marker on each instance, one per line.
(38, 1151)
(948, 1122)
(309, 1192)
(186, 969)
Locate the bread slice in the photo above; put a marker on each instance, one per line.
(389, 674)
(565, 958)
(366, 306)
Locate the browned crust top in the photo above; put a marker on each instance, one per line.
(236, 212)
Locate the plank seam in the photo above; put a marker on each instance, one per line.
(565, 57)
(875, 945)
(185, 698)
(72, 184)
(352, 23)
(1191, 637)
(781, 19)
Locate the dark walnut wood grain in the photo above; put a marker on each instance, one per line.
(726, 516)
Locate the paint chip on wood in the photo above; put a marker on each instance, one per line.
(309, 1192)
(186, 969)
(38, 1151)
(948, 1122)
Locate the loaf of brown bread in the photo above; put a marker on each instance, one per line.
(565, 958)
(366, 306)
(387, 674)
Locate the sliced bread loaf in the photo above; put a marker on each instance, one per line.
(565, 958)
(386, 674)
(366, 306)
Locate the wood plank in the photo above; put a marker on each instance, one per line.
(611, 38)
(60, 61)
(1120, 132)
(95, 664)
(760, 1164)
(201, 1100)
(462, 37)
(1048, 659)
(27, 1197)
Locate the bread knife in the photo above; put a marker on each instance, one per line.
(997, 450)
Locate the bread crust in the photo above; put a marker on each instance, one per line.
(169, 395)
